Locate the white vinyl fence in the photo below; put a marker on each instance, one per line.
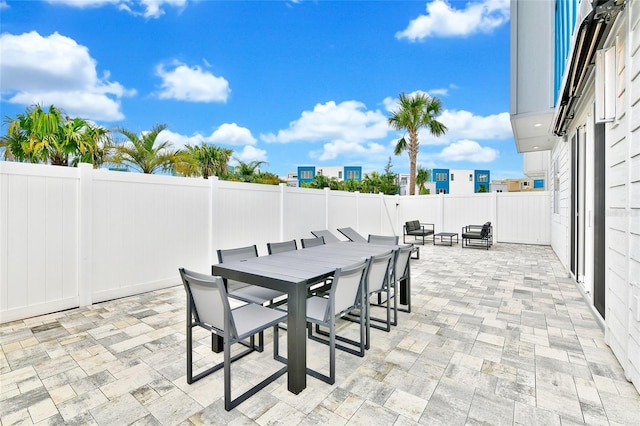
(75, 236)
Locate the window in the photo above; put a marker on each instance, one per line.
(483, 177)
(451, 177)
(556, 186)
(470, 177)
(605, 85)
(340, 175)
(353, 175)
(442, 191)
(441, 177)
(306, 174)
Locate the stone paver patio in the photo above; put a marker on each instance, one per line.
(495, 337)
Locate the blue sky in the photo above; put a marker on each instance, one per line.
(286, 82)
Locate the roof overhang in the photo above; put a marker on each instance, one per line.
(531, 131)
(594, 23)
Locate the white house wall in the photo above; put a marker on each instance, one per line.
(623, 198)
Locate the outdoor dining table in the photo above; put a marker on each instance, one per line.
(293, 272)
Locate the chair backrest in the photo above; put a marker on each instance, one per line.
(207, 299)
(274, 248)
(484, 233)
(231, 255)
(345, 289)
(412, 225)
(327, 235)
(383, 239)
(241, 253)
(378, 274)
(312, 242)
(352, 235)
(401, 265)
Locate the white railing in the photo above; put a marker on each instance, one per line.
(75, 236)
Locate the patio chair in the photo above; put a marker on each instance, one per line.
(247, 292)
(400, 276)
(417, 229)
(329, 237)
(383, 239)
(477, 236)
(311, 242)
(208, 307)
(282, 247)
(345, 296)
(243, 291)
(379, 282)
(352, 235)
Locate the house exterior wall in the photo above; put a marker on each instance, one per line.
(441, 178)
(461, 182)
(572, 178)
(481, 179)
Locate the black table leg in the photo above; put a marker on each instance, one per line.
(297, 339)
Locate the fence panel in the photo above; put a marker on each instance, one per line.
(38, 239)
(343, 211)
(143, 229)
(75, 236)
(524, 217)
(245, 214)
(463, 210)
(305, 210)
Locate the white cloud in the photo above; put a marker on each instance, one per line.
(346, 128)
(463, 124)
(192, 84)
(57, 70)
(146, 8)
(250, 153)
(3, 5)
(468, 150)
(442, 20)
(348, 121)
(232, 134)
(337, 148)
(226, 134)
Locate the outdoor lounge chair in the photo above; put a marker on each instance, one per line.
(328, 236)
(208, 307)
(477, 236)
(417, 229)
(352, 235)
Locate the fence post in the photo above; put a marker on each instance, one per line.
(85, 234)
(283, 187)
(326, 207)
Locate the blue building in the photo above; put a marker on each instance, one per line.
(306, 174)
(441, 178)
(450, 181)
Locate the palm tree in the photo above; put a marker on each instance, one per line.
(246, 171)
(207, 160)
(414, 112)
(144, 154)
(99, 148)
(422, 176)
(48, 136)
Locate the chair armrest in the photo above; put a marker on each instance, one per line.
(424, 225)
